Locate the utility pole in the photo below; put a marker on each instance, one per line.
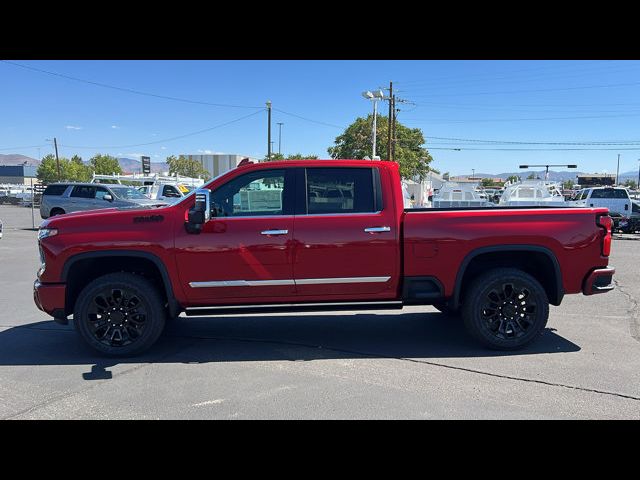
(280, 137)
(389, 122)
(618, 169)
(55, 144)
(269, 130)
(393, 129)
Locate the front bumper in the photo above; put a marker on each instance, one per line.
(599, 281)
(50, 297)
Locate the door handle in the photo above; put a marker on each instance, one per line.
(377, 229)
(274, 232)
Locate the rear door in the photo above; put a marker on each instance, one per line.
(346, 241)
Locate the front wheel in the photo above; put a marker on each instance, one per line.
(119, 314)
(505, 308)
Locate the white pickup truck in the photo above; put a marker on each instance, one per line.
(616, 199)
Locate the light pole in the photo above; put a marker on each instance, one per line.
(375, 96)
(618, 169)
(473, 173)
(638, 186)
(280, 137)
(546, 173)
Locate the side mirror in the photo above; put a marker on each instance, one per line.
(201, 211)
(108, 198)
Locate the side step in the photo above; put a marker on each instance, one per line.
(292, 307)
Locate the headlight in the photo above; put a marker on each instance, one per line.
(47, 232)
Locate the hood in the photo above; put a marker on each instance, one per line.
(104, 215)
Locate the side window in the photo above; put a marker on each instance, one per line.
(260, 193)
(101, 192)
(55, 189)
(171, 191)
(340, 190)
(81, 191)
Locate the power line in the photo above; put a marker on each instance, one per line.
(167, 139)
(521, 142)
(308, 119)
(450, 120)
(19, 148)
(532, 149)
(128, 90)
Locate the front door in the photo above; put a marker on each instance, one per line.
(346, 239)
(244, 253)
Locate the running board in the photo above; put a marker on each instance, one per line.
(292, 307)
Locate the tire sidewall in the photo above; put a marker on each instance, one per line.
(147, 294)
(472, 308)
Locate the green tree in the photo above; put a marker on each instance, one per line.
(568, 184)
(80, 171)
(295, 156)
(532, 176)
(187, 167)
(513, 179)
(105, 164)
(487, 182)
(355, 142)
(632, 184)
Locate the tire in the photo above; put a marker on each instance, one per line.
(119, 314)
(446, 309)
(494, 312)
(56, 211)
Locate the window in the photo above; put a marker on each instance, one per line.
(101, 192)
(260, 193)
(171, 191)
(55, 189)
(618, 193)
(81, 191)
(340, 190)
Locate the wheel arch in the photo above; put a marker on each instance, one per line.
(81, 268)
(546, 270)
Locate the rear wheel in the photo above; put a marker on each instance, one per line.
(119, 314)
(505, 308)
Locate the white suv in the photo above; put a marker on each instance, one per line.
(616, 199)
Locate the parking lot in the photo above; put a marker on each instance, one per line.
(414, 363)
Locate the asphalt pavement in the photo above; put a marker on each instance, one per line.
(416, 363)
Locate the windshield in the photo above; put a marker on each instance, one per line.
(129, 193)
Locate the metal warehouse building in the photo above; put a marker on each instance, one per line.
(217, 164)
(17, 174)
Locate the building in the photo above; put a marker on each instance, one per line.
(18, 174)
(218, 164)
(596, 180)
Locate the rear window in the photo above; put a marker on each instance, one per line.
(55, 189)
(340, 190)
(610, 193)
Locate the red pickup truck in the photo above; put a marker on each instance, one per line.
(315, 235)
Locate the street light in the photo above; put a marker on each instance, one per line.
(280, 137)
(375, 96)
(546, 173)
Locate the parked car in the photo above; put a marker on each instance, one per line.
(628, 224)
(322, 235)
(166, 192)
(60, 198)
(616, 199)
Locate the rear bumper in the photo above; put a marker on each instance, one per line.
(49, 297)
(599, 281)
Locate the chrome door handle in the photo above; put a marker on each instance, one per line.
(274, 232)
(377, 229)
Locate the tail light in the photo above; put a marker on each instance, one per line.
(605, 222)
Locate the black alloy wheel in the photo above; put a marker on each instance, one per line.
(120, 314)
(505, 308)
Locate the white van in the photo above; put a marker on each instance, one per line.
(616, 199)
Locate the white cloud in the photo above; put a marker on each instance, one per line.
(72, 127)
(163, 148)
(135, 154)
(154, 134)
(115, 126)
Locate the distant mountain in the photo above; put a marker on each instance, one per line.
(16, 159)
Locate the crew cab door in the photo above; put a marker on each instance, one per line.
(345, 235)
(244, 252)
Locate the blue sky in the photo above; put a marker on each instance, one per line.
(576, 103)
